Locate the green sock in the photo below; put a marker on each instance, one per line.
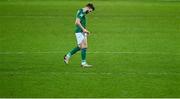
(83, 54)
(73, 51)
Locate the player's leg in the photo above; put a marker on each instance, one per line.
(79, 38)
(73, 51)
(84, 46)
(69, 54)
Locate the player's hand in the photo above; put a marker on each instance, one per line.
(86, 31)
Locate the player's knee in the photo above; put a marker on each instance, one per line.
(82, 47)
(85, 45)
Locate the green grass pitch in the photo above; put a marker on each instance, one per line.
(134, 49)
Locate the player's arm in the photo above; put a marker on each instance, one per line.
(78, 23)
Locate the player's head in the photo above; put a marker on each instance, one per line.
(90, 7)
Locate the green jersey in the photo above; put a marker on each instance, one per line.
(81, 15)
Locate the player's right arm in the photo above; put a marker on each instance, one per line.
(78, 23)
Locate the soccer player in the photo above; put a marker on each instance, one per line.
(81, 33)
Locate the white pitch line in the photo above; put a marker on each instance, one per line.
(96, 52)
(134, 52)
(90, 73)
(170, 0)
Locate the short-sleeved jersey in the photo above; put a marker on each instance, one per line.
(81, 15)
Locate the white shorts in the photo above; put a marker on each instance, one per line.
(80, 37)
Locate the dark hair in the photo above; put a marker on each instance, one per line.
(90, 5)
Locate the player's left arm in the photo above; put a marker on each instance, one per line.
(78, 23)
